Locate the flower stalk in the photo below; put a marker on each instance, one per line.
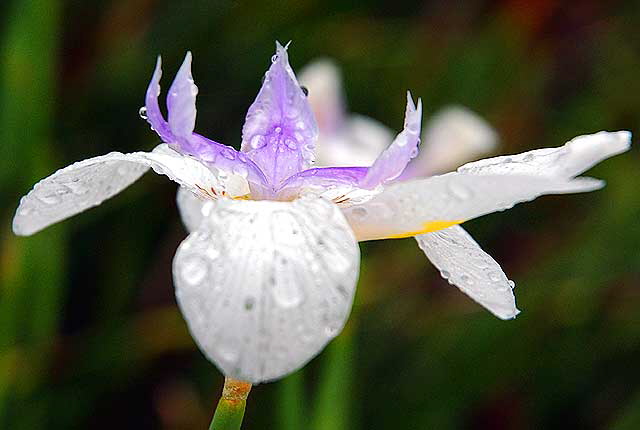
(230, 410)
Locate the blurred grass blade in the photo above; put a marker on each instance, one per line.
(333, 406)
(31, 268)
(291, 413)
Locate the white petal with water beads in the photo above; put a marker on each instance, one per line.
(265, 285)
(464, 264)
(88, 183)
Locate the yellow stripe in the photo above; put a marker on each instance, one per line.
(428, 227)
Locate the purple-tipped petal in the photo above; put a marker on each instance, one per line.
(391, 163)
(280, 130)
(151, 109)
(181, 101)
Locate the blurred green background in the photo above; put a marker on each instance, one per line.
(90, 335)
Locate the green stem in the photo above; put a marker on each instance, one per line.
(230, 409)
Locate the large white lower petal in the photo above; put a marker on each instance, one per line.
(464, 264)
(423, 205)
(265, 285)
(88, 183)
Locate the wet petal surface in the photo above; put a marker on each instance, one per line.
(264, 286)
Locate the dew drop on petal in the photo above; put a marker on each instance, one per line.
(258, 141)
(143, 112)
(194, 269)
(459, 191)
(228, 155)
(50, 199)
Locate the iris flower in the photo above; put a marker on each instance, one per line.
(267, 275)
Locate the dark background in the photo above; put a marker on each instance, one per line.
(90, 335)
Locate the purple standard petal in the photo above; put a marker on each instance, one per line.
(178, 131)
(391, 163)
(280, 131)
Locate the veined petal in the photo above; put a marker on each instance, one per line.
(567, 161)
(88, 183)
(391, 163)
(326, 98)
(181, 101)
(265, 285)
(424, 205)
(453, 136)
(280, 131)
(464, 264)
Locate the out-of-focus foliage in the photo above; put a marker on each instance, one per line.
(90, 336)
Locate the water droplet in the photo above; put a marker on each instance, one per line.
(445, 274)
(228, 155)
(414, 153)
(26, 211)
(228, 353)
(193, 270)
(291, 144)
(278, 130)
(460, 191)
(331, 330)
(258, 141)
(274, 58)
(249, 302)
(287, 294)
(512, 284)
(78, 187)
(494, 277)
(467, 280)
(143, 112)
(194, 90)
(50, 199)
(528, 157)
(359, 213)
(305, 91)
(242, 157)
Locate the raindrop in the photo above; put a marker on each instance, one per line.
(528, 157)
(512, 284)
(414, 153)
(258, 141)
(242, 157)
(291, 144)
(50, 199)
(494, 276)
(228, 353)
(79, 188)
(143, 112)
(287, 294)
(274, 58)
(460, 191)
(194, 269)
(445, 274)
(467, 280)
(228, 155)
(194, 90)
(278, 130)
(331, 330)
(305, 91)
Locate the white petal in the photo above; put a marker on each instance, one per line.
(191, 207)
(464, 264)
(358, 143)
(453, 136)
(88, 183)
(423, 205)
(569, 160)
(265, 285)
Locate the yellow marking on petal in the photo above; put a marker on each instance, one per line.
(428, 227)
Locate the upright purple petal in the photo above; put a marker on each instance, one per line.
(181, 101)
(390, 164)
(151, 111)
(280, 131)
